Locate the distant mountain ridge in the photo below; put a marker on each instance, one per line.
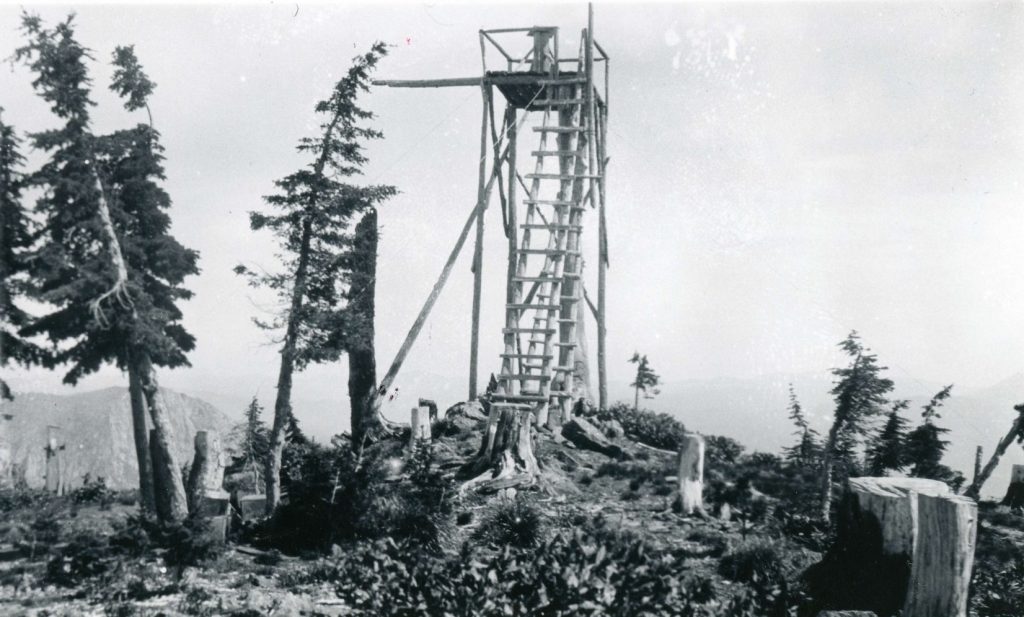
(95, 429)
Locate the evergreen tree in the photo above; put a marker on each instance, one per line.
(925, 446)
(314, 209)
(860, 392)
(15, 241)
(253, 443)
(105, 261)
(807, 451)
(887, 451)
(646, 380)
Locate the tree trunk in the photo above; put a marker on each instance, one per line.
(169, 490)
(636, 399)
(827, 462)
(206, 475)
(147, 501)
(974, 490)
(691, 474)
(940, 576)
(362, 359)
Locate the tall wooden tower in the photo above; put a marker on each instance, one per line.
(543, 367)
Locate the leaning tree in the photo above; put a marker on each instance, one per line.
(311, 216)
(104, 263)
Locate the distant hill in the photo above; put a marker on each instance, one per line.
(96, 430)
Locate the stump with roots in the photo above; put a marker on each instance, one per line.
(691, 475)
(506, 458)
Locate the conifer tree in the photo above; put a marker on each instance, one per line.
(15, 241)
(105, 261)
(925, 446)
(860, 392)
(807, 450)
(887, 452)
(253, 443)
(313, 212)
(646, 380)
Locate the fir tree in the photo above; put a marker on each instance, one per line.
(15, 241)
(253, 444)
(104, 259)
(860, 392)
(807, 451)
(925, 446)
(646, 380)
(887, 451)
(313, 212)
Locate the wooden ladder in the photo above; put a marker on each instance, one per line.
(537, 373)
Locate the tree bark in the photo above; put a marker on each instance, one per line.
(147, 499)
(169, 490)
(940, 575)
(362, 358)
(827, 463)
(506, 453)
(206, 475)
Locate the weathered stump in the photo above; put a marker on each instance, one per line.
(506, 455)
(691, 475)
(940, 574)
(419, 423)
(206, 475)
(1015, 492)
(53, 461)
(904, 544)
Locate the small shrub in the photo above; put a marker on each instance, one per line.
(757, 561)
(93, 491)
(514, 522)
(84, 557)
(654, 429)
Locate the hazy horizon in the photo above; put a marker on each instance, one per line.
(780, 174)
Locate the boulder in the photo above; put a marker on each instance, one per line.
(586, 436)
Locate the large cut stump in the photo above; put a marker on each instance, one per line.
(1015, 492)
(903, 544)
(506, 455)
(691, 475)
(586, 436)
(941, 571)
(204, 491)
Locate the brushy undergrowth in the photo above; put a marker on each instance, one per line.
(512, 522)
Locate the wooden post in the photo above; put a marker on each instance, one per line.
(414, 427)
(478, 251)
(691, 474)
(52, 461)
(977, 464)
(940, 573)
(602, 264)
(511, 290)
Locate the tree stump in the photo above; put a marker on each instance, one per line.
(419, 424)
(53, 461)
(506, 455)
(904, 544)
(206, 476)
(1015, 492)
(941, 571)
(691, 474)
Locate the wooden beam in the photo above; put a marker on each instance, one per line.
(478, 250)
(429, 83)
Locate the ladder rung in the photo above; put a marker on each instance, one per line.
(562, 80)
(552, 226)
(528, 330)
(561, 129)
(566, 320)
(548, 252)
(526, 356)
(549, 202)
(562, 102)
(569, 299)
(514, 405)
(564, 369)
(515, 398)
(524, 377)
(564, 344)
(555, 153)
(538, 279)
(527, 307)
(561, 176)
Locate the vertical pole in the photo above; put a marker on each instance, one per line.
(478, 252)
(977, 464)
(597, 189)
(511, 295)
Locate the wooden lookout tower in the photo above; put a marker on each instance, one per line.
(564, 100)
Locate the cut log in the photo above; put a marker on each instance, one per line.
(1014, 497)
(586, 436)
(941, 571)
(691, 475)
(892, 503)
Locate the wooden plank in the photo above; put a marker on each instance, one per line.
(429, 83)
(560, 129)
(528, 330)
(561, 176)
(551, 227)
(554, 153)
(557, 102)
(539, 307)
(525, 377)
(478, 249)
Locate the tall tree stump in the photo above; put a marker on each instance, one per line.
(1015, 492)
(53, 461)
(691, 474)
(419, 424)
(506, 455)
(903, 544)
(940, 574)
(206, 476)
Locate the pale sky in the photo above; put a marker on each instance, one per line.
(779, 175)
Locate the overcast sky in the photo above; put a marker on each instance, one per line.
(780, 174)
